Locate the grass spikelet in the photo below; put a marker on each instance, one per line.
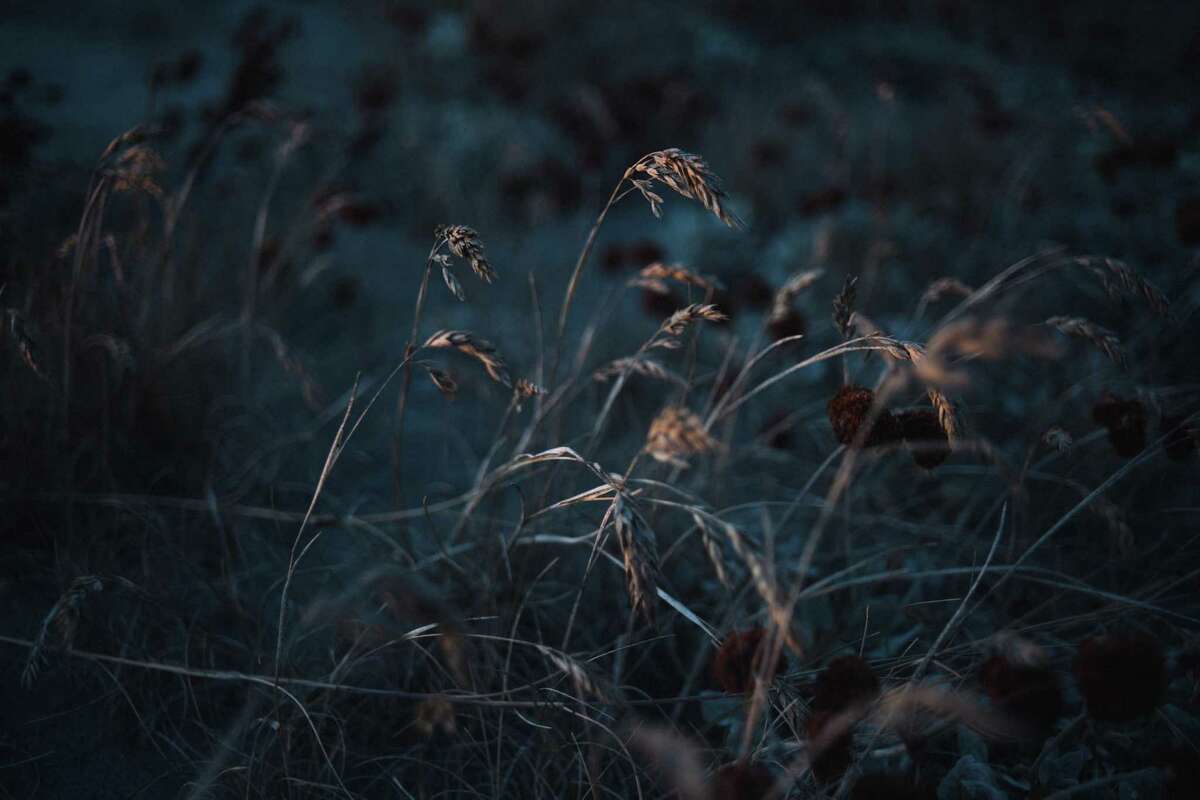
(678, 322)
(652, 276)
(685, 173)
(1117, 277)
(843, 306)
(739, 658)
(1103, 339)
(677, 433)
(464, 242)
(638, 365)
(443, 380)
(639, 551)
(479, 349)
(1058, 439)
(581, 680)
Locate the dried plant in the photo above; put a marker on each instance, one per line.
(639, 550)
(677, 433)
(464, 242)
(479, 349)
(1059, 439)
(1103, 339)
(843, 306)
(638, 365)
(1117, 277)
(685, 173)
(582, 681)
(857, 423)
(781, 303)
(652, 277)
(442, 379)
(678, 322)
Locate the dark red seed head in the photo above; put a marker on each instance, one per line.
(736, 660)
(1121, 678)
(1030, 693)
(741, 780)
(830, 751)
(845, 681)
(849, 410)
(1125, 420)
(925, 435)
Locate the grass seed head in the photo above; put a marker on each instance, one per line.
(688, 175)
(677, 433)
(846, 681)
(464, 242)
(479, 349)
(1125, 420)
(850, 409)
(737, 660)
(1121, 678)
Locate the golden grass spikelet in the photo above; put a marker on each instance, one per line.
(653, 274)
(443, 380)
(136, 169)
(639, 551)
(479, 349)
(464, 242)
(944, 287)
(781, 303)
(677, 433)
(685, 173)
(678, 322)
(1102, 338)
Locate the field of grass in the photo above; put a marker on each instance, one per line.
(724, 401)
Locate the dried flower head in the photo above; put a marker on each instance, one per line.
(846, 681)
(738, 659)
(743, 780)
(1121, 678)
(1030, 693)
(1125, 420)
(850, 409)
(479, 349)
(925, 435)
(677, 433)
(524, 389)
(464, 242)
(686, 174)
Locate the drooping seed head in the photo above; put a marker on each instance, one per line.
(688, 175)
(464, 242)
(677, 433)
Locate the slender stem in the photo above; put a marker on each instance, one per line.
(402, 398)
(575, 275)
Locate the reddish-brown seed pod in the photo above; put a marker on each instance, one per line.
(741, 780)
(925, 435)
(849, 410)
(830, 754)
(845, 681)
(735, 661)
(1032, 694)
(1125, 420)
(1121, 678)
